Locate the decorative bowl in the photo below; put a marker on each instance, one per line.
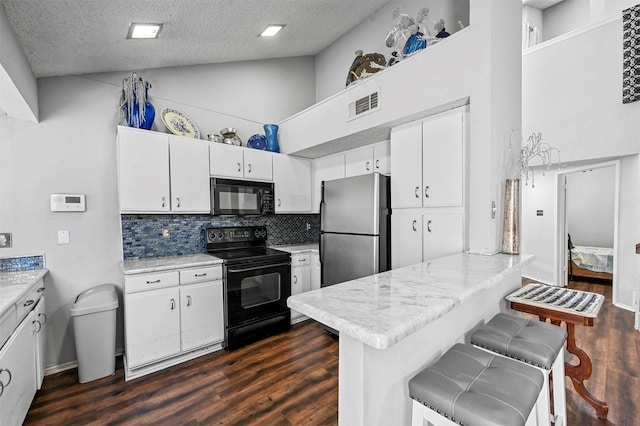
(257, 142)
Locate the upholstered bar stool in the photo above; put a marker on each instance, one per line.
(472, 387)
(535, 343)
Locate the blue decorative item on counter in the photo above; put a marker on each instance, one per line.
(416, 42)
(257, 142)
(271, 133)
(135, 109)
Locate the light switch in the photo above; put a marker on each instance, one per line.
(63, 237)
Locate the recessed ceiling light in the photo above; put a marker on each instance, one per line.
(271, 30)
(146, 30)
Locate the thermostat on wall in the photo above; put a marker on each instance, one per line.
(68, 203)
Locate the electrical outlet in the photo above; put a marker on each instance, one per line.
(166, 233)
(5, 239)
(308, 226)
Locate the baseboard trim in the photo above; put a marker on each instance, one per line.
(71, 365)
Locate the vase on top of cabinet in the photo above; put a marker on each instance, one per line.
(271, 133)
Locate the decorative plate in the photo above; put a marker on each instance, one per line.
(179, 124)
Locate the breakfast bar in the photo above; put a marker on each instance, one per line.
(397, 322)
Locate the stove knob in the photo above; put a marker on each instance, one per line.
(219, 234)
(256, 233)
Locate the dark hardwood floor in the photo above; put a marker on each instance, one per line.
(292, 379)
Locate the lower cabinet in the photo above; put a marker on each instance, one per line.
(176, 322)
(315, 271)
(17, 377)
(420, 236)
(300, 279)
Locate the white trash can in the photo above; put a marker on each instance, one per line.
(94, 323)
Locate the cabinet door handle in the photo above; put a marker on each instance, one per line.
(28, 303)
(295, 279)
(188, 300)
(3, 370)
(41, 289)
(38, 328)
(377, 164)
(201, 275)
(367, 165)
(162, 201)
(279, 202)
(417, 192)
(413, 225)
(44, 321)
(249, 167)
(239, 166)
(426, 191)
(153, 282)
(173, 304)
(429, 225)
(178, 200)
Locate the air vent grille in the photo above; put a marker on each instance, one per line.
(363, 105)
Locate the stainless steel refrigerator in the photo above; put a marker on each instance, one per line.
(355, 228)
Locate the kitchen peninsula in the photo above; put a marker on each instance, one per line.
(395, 323)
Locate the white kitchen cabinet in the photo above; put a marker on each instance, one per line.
(201, 313)
(329, 167)
(418, 237)
(160, 173)
(152, 325)
(40, 325)
(143, 171)
(442, 235)
(406, 239)
(427, 161)
(171, 317)
(189, 175)
(240, 163)
(368, 159)
(315, 271)
(300, 278)
(17, 365)
(292, 184)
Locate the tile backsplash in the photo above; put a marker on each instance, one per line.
(22, 263)
(142, 234)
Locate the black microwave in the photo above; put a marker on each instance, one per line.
(241, 197)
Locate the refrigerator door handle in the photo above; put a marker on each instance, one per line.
(320, 243)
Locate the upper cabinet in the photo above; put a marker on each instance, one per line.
(427, 162)
(161, 173)
(292, 184)
(368, 159)
(241, 163)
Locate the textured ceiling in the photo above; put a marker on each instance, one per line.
(64, 37)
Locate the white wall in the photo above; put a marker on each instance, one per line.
(590, 207)
(569, 15)
(332, 64)
(73, 149)
(572, 93)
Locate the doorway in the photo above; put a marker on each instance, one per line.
(588, 199)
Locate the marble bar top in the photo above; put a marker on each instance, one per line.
(14, 285)
(297, 248)
(382, 309)
(157, 264)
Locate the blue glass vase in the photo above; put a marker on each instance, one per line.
(416, 42)
(271, 132)
(135, 119)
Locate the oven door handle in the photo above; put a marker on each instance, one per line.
(268, 265)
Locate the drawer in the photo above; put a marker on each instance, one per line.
(133, 283)
(8, 323)
(29, 300)
(211, 273)
(300, 259)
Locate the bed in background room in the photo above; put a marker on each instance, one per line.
(591, 262)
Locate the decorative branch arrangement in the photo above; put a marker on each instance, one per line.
(534, 147)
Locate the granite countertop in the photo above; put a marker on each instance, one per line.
(381, 309)
(14, 285)
(157, 264)
(297, 248)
